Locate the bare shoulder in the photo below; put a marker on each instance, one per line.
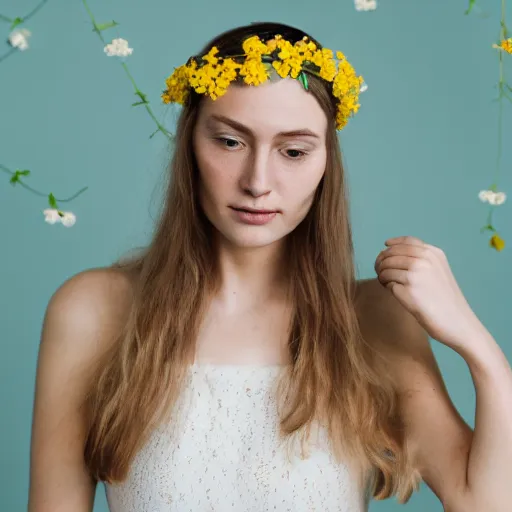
(85, 314)
(83, 317)
(93, 300)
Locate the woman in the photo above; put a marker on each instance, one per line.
(237, 363)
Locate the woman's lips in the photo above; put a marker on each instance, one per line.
(256, 218)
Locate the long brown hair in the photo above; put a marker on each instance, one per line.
(335, 373)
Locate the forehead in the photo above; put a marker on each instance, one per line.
(272, 107)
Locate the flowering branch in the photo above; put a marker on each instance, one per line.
(18, 38)
(54, 214)
(492, 195)
(143, 100)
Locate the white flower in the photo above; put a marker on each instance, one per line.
(484, 195)
(491, 197)
(19, 38)
(53, 216)
(365, 5)
(498, 198)
(364, 87)
(118, 48)
(68, 219)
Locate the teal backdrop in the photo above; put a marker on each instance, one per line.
(421, 148)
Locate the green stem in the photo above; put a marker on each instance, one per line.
(38, 192)
(34, 10)
(8, 53)
(28, 16)
(89, 12)
(502, 94)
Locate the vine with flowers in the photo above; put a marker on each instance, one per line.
(19, 41)
(492, 195)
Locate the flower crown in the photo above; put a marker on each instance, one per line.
(211, 75)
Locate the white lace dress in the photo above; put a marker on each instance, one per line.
(222, 453)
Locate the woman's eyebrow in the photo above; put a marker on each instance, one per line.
(303, 132)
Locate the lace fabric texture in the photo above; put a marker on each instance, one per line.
(222, 452)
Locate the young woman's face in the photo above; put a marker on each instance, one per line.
(259, 148)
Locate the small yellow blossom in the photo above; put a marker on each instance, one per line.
(254, 71)
(210, 56)
(306, 48)
(255, 47)
(272, 43)
(505, 45)
(177, 86)
(497, 242)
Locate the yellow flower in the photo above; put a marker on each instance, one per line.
(346, 87)
(324, 60)
(272, 43)
(306, 48)
(177, 86)
(214, 77)
(254, 71)
(497, 242)
(506, 45)
(254, 47)
(282, 68)
(210, 56)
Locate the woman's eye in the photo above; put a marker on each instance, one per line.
(295, 154)
(229, 143)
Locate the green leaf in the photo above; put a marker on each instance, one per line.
(52, 201)
(15, 22)
(303, 79)
(142, 96)
(470, 6)
(105, 26)
(15, 178)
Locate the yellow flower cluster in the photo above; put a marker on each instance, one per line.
(211, 75)
(506, 45)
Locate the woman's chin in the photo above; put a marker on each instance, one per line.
(252, 240)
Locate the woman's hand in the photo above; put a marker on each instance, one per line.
(419, 276)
